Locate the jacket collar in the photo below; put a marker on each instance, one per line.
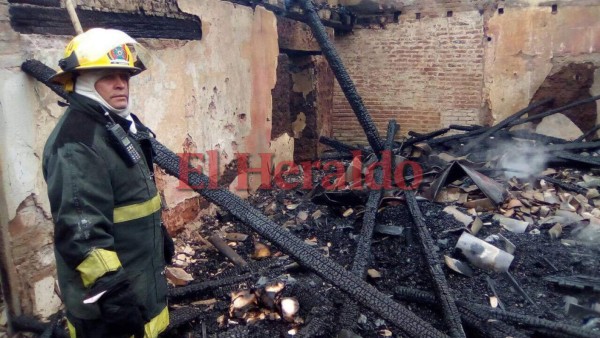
(95, 110)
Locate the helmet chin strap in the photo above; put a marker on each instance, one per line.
(85, 85)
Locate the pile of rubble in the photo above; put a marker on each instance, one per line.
(492, 230)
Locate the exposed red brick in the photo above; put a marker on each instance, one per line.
(426, 74)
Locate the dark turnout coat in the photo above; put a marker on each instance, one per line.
(106, 214)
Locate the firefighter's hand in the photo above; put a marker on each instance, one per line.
(122, 312)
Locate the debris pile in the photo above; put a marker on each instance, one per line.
(266, 302)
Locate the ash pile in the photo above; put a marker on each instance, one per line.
(490, 232)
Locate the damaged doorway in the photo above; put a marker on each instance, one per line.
(573, 82)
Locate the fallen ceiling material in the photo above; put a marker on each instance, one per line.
(445, 165)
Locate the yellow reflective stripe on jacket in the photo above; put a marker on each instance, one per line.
(135, 211)
(72, 333)
(151, 329)
(96, 264)
(157, 324)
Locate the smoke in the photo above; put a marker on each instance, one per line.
(521, 159)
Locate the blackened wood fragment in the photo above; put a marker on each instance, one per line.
(414, 295)
(337, 145)
(227, 250)
(425, 137)
(571, 158)
(555, 111)
(350, 312)
(46, 3)
(506, 122)
(574, 146)
(565, 185)
(587, 133)
(341, 74)
(440, 284)
(55, 21)
(464, 128)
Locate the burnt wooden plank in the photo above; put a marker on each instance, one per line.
(45, 3)
(27, 19)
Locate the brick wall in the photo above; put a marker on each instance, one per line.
(425, 73)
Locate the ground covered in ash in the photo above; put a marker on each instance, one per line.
(396, 261)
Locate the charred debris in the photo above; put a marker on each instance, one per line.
(485, 232)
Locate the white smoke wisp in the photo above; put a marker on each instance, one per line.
(523, 160)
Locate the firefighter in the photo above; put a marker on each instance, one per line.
(97, 162)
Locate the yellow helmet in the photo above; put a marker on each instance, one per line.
(98, 48)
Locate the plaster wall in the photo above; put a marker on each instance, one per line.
(528, 43)
(211, 94)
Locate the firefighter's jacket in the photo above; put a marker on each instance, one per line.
(106, 214)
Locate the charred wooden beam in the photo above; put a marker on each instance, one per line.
(419, 296)
(341, 74)
(337, 145)
(524, 134)
(363, 248)
(506, 122)
(565, 185)
(31, 324)
(195, 289)
(231, 277)
(486, 328)
(47, 3)
(316, 322)
(309, 257)
(574, 146)
(440, 285)
(464, 128)
(445, 139)
(424, 137)
(587, 133)
(227, 250)
(555, 111)
(33, 19)
(338, 26)
(513, 122)
(570, 158)
(283, 12)
(43, 74)
(181, 316)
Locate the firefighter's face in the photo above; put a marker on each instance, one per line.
(114, 89)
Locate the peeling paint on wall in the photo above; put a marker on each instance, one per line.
(527, 43)
(32, 255)
(303, 81)
(299, 124)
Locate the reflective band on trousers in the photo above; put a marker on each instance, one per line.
(135, 211)
(151, 330)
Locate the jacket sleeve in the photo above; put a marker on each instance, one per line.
(81, 197)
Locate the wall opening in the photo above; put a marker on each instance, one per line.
(572, 83)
